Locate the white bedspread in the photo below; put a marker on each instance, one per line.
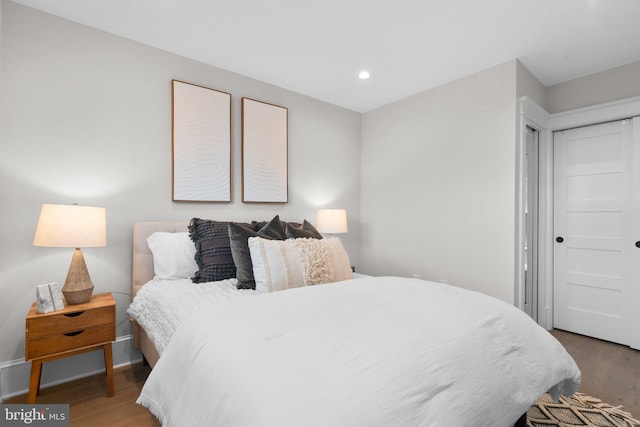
(162, 305)
(371, 352)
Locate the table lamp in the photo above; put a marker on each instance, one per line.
(332, 221)
(73, 226)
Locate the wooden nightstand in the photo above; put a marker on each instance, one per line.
(75, 329)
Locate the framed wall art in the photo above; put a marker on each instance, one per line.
(264, 152)
(201, 143)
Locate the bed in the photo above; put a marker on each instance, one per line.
(369, 351)
(143, 273)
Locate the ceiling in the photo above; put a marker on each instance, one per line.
(317, 48)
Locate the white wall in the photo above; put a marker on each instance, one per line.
(1, 2)
(85, 117)
(610, 85)
(528, 85)
(438, 184)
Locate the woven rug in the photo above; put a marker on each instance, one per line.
(578, 410)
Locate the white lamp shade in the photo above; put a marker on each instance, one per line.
(332, 221)
(71, 226)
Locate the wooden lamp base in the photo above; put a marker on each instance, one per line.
(77, 287)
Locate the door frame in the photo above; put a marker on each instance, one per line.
(531, 199)
(534, 116)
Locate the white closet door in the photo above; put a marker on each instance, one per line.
(634, 300)
(592, 230)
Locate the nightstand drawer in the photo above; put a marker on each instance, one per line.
(72, 340)
(69, 321)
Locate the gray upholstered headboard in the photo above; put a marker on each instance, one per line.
(142, 257)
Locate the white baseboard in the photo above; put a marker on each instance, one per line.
(14, 375)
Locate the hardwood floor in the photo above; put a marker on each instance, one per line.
(610, 372)
(89, 404)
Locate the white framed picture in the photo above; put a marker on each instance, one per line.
(201, 143)
(264, 152)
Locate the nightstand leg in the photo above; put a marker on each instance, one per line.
(34, 380)
(108, 365)
(39, 379)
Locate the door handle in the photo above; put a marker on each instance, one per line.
(559, 239)
(638, 244)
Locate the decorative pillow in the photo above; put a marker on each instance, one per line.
(238, 234)
(257, 225)
(292, 263)
(213, 250)
(173, 255)
(274, 228)
(306, 230)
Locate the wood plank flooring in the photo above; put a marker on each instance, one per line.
(89, 404)
(610, 372)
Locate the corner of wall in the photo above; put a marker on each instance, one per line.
(528, 85)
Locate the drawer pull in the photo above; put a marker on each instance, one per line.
(74, 333)
(77, 313)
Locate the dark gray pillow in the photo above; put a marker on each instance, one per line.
(305, 231)
(258, 225)
(239, 236)
(274, 228)
(213, 250)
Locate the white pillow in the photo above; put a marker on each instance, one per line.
(291, 263)
(173, 255)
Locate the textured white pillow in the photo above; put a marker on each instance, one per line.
(173, 255)
(291, 263)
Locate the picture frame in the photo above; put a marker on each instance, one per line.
(264, 152)
(201, 143)
(49, 298)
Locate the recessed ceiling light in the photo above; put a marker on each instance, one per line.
(364, 75)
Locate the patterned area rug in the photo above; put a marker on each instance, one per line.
(578, 410)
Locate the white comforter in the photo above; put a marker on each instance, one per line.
(161, 306)
(369, 352)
